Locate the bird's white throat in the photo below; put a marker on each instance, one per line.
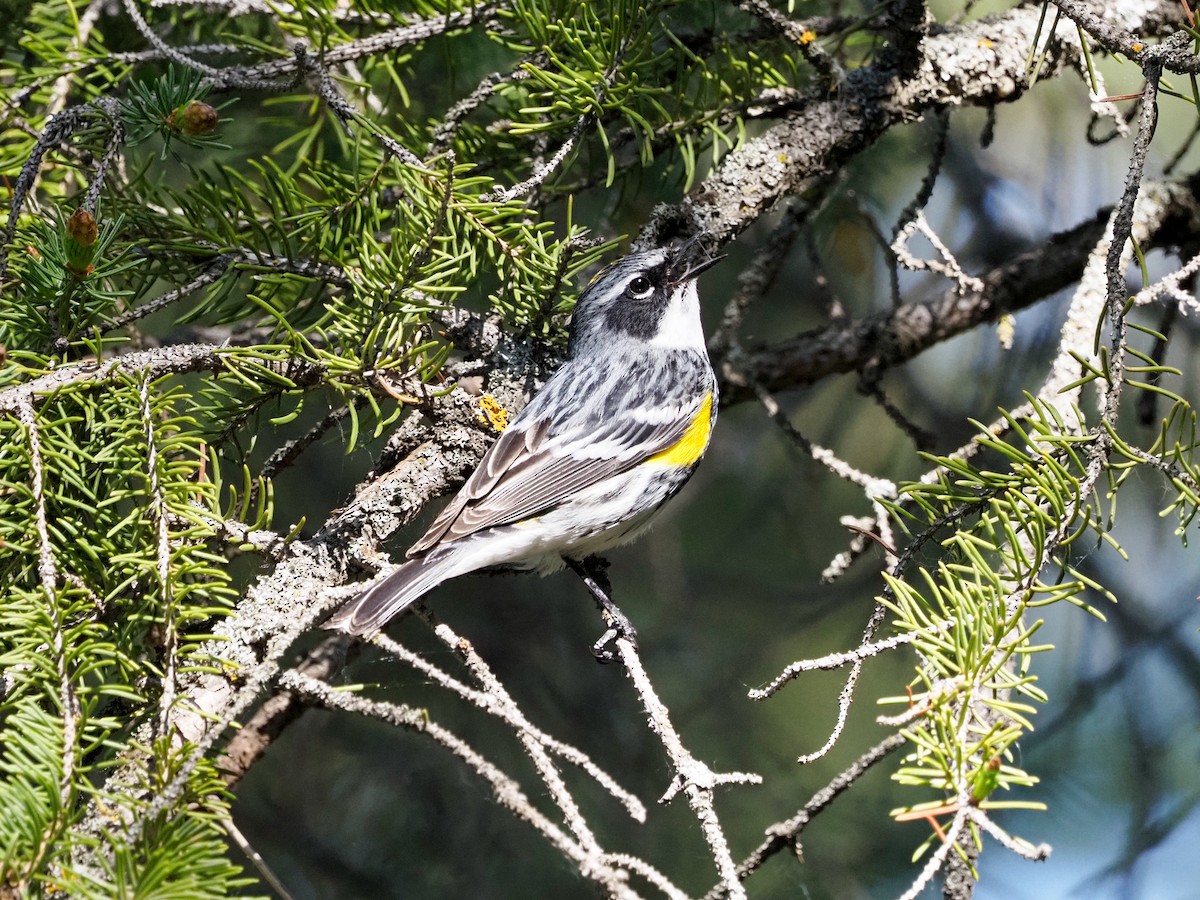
(680, 326)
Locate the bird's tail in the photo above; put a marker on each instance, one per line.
(378, 605)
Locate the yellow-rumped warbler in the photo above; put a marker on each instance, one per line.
(585, 467)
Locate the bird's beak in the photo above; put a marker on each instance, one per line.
(702, 266)
(686, 265)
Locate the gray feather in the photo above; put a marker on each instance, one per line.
(390, 596)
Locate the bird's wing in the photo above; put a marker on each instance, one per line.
(537, 463)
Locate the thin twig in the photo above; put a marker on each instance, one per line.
(693, 777)
(262, 76)
(215, 270)
(502, 706)
(260, 865)
(846, 695)
(506, 790)
(787, 833)
(172, 53)
(48, 575)
(938, 859)
(452, 118)
(947, 265)
(162, 556)
(1032, 852)
(290, 451)
(840, 660)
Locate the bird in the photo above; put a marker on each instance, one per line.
(590, 461)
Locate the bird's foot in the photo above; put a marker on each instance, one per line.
(592, 571)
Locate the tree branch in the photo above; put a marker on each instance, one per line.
(894, 336)
(980, 63)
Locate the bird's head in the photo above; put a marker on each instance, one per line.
(647, 297)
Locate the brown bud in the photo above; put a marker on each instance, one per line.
(80, 244)
(194, 118)
(81, 228)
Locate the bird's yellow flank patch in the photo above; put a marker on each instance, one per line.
(689, 448)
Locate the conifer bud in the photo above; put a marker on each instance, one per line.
(80, 244)
(194, 118)
(986, 780)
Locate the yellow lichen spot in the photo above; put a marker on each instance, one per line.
(106, 812)
(1006, 330)
(493, 413)
(807, 36)
(987, 43)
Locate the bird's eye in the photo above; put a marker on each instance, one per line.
(640, 288)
